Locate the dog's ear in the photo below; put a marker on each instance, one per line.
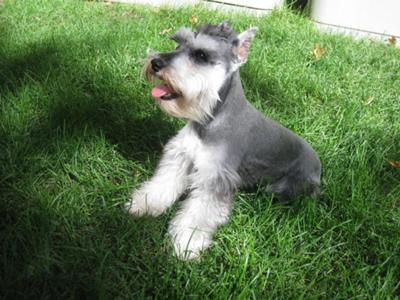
(225, 25)
(183, 35)
(242, 45)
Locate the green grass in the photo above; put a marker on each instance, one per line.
(78, 130)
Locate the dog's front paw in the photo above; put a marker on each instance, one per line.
(138, 204)
(147, 201)
(189, 243)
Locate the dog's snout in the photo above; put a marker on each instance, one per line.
(157, 64)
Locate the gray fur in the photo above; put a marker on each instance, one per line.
(183, 35)
(258, 148)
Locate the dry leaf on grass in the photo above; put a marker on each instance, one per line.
(369, 101)
(193, 20)
(392, 41)
(318, 51)
(394, 163)
(165, 31)
(129, 14)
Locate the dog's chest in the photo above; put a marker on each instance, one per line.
(195, 150)
(202, 155)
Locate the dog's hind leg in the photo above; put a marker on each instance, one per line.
(289, 187)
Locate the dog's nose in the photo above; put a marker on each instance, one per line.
(157, 64)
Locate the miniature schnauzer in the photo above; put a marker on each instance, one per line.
(226, 143)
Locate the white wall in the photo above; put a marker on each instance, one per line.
(370, 16)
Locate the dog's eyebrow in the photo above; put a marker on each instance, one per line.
(183, 35)
(210, 53)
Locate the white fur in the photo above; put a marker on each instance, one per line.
(193, 227)
(168, 182)
(208, 204)
(199, 86)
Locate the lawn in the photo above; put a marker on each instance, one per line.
(78, 130)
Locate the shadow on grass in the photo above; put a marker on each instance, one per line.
(46, 251)
(34, 62)
(53, 254)
(136, 135)
(77, 100)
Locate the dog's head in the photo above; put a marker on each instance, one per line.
(196, 70)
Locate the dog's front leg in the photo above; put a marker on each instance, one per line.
(167, 184)
(207, 207)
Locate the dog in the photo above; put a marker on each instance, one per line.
(226, 143)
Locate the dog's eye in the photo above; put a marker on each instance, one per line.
(200, 56)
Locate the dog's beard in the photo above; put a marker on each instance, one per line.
(192, 98)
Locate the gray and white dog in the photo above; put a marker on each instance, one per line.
(226, 143)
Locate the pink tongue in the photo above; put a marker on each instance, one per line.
(160, 90)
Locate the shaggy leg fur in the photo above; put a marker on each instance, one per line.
(165, 187)
(192, 229)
